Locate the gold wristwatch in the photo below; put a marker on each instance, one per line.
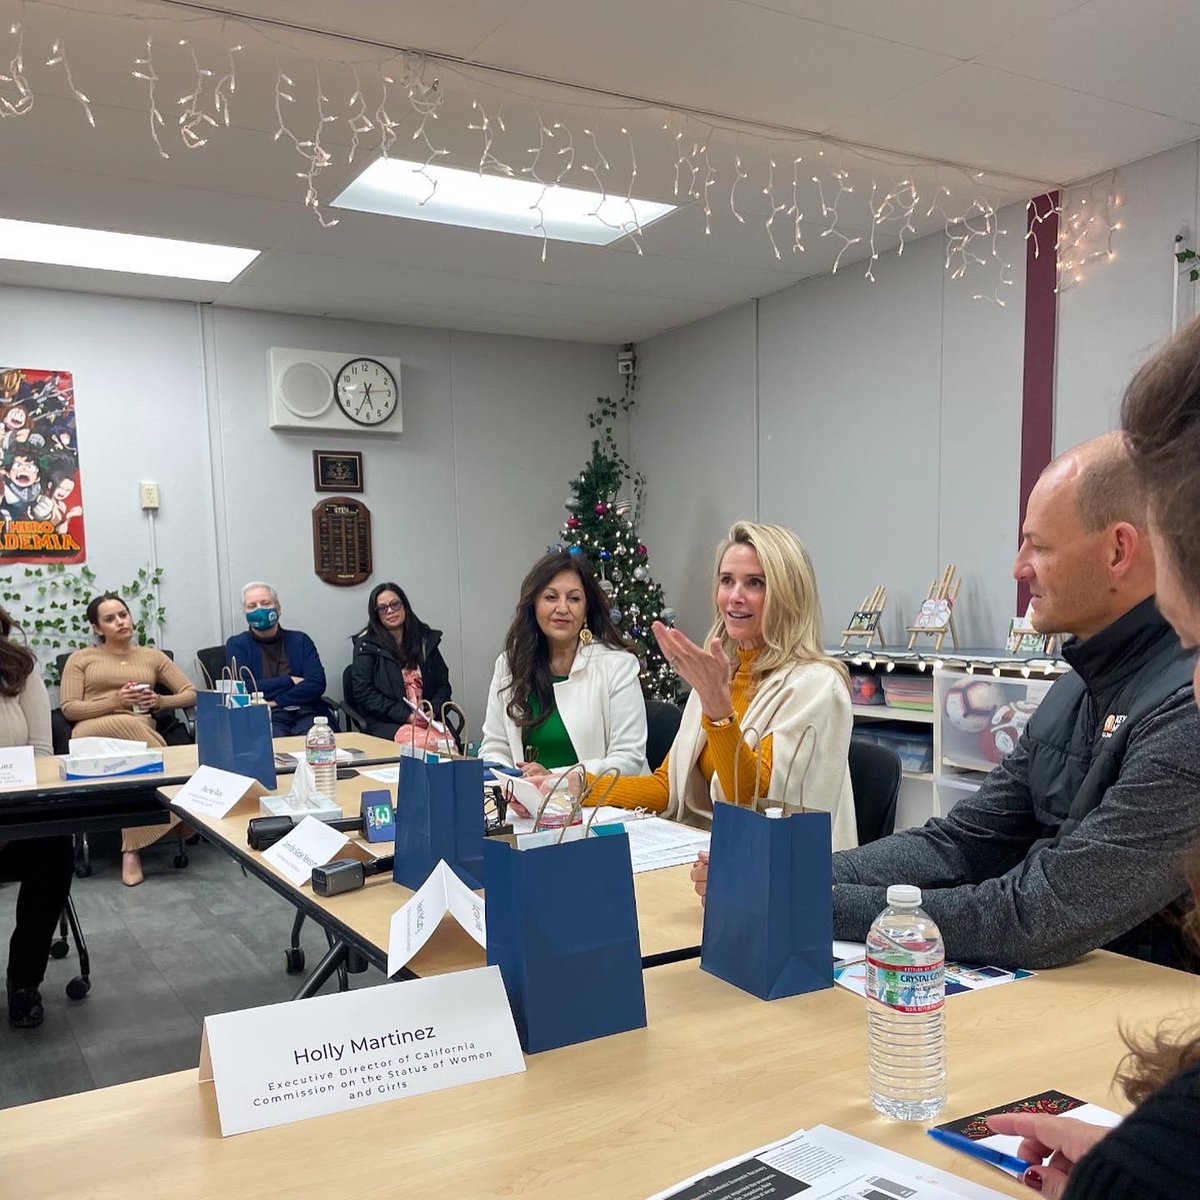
(723, 723)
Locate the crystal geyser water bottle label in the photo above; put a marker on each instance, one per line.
(907, 988)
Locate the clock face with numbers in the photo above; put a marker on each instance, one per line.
(366, 391)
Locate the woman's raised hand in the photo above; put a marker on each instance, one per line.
(708, 671)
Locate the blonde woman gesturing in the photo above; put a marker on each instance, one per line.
(763, 670)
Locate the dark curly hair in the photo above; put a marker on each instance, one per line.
(526, 646)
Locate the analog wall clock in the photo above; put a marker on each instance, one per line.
(366, 391)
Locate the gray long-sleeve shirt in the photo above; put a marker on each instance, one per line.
(1001, 893)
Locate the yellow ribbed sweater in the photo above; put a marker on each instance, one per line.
(721, 744)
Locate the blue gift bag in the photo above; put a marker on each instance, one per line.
(768, 916)
(235, 739)
(439, 815)
(562, 928)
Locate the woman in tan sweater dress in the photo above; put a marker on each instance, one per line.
(108, 691)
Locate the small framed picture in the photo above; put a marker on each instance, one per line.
(338, 470)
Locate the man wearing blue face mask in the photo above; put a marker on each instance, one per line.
(284, 662)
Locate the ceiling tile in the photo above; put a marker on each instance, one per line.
(996, 119)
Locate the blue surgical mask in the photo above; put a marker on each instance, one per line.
(262, 619)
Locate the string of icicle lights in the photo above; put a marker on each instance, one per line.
(800, 190)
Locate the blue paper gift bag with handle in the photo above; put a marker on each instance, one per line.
(562, 928)
(768, 916)
(439, 815)
(235, 739)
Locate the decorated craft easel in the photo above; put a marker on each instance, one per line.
(865, 621)
(936, 618)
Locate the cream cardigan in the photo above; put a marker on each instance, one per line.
(600, 703)
(786, 703)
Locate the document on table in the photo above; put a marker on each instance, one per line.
(655, 843)
(382, 774)
(825, 1164)
(960, 977)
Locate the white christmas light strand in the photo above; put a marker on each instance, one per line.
(971, 228)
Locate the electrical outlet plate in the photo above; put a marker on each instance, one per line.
(149, 495)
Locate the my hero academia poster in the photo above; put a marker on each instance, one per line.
(41, 504)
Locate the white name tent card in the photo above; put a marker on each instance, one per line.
(16, 766)
(214, 793)
(413, 923)
(312, 843)
(288, 1062)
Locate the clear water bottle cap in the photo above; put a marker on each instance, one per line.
(320, 720)
(775, 811)
(903, 894)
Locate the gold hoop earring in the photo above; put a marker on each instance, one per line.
(585, 636)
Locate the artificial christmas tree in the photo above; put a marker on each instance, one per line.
(600, 528)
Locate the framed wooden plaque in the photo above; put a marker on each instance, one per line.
(342, 541)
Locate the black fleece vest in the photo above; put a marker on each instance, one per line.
(1078, 736)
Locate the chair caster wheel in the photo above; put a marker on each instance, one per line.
(59, 948)
(78, 988)
(180, 861)
(83, 870)
(294, 957)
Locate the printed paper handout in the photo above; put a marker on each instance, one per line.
(960, 977)
(825, 1164)
(1052, 1103)
(413, 923)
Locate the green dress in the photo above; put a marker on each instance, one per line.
(548, 742)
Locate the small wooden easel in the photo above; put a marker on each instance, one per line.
(936, 618)
(865, 621)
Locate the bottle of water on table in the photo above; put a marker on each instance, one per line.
(906, 994)
(320, 751)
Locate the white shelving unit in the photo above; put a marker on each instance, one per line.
(959, 766)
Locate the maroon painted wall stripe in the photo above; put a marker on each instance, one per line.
(1041, 325)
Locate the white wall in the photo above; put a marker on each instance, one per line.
(694, 435)
(1109, 323)
(461, 502)
(887, 434)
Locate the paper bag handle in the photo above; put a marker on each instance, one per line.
(791, 762)
(756, 748)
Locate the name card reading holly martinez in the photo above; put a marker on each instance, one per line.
(288, 1062)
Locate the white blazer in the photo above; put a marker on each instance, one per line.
(786, 703)
(600, 703)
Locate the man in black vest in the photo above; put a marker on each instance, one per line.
(1071, 842)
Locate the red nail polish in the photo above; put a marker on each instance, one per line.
(1032, 1179)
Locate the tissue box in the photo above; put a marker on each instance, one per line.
(102, 766)
(288, 806)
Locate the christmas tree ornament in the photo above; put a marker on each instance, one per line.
(601, 508)
(640, 573)
(667, 616)
(636, 631)
(605, 555)
(642, 549)
(606, 586)
(619, 549)
(572, 522)
(575, 551)
(615, 615)
(616, 575)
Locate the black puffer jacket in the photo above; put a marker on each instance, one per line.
(379, 682)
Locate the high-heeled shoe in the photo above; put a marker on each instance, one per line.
(131, 868)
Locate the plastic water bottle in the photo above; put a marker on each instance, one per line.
(906, 995)
(320, 751)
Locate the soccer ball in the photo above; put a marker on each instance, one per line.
(1008, 723)
(970, 704)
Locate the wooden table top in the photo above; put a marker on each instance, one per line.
(670, 916)
(715, 1074)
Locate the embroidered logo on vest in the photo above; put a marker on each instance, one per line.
(1112, 723)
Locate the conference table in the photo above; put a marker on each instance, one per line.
(669, 916)
(715, 1074)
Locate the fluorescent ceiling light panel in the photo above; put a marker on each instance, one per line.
(398, 188)
(131, 253)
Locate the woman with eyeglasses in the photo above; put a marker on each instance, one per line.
(396, 666)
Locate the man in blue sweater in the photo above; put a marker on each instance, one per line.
(284, 662)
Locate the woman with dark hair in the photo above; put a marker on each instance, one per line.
(108, 690)
(396, 665)
(42, 866)
(1154, 1154)
(566, 688)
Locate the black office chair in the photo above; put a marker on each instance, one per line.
(875, 774)
(662, 724)
(354, 719)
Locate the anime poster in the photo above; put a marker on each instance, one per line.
(41, 505)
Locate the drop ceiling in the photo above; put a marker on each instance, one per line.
(1029, 93)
